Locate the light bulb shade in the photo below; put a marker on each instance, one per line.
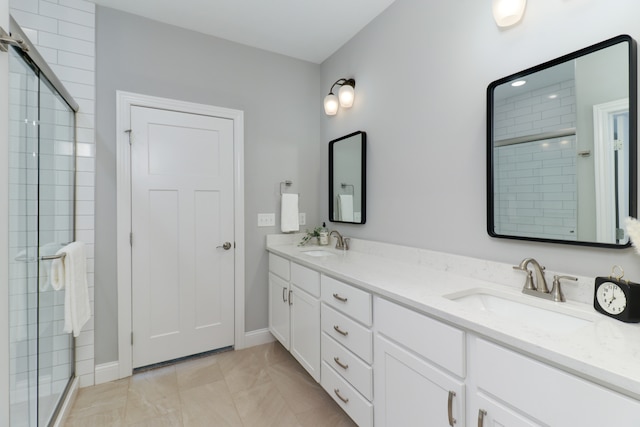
(508, 12)
(330, 104)
(346, 94)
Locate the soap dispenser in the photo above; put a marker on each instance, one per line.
(323, 240)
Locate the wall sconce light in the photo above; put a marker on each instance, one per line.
(346, 95)
(508, 12)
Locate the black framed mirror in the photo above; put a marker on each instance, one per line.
(561, 148)
(348, 178)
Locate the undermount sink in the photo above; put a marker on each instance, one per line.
(541, 314)
(317, 252)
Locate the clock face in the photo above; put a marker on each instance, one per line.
(611, 298)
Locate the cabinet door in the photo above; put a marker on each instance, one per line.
(305, 331)
(279, 309)
(411, 392)
(492, 414)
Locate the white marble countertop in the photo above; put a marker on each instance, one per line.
(605, 351)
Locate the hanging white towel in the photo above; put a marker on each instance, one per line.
(345, 207)
(70, 273)
(289, 213)
(44, 266)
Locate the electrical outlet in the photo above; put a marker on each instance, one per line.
(266, 219)
(302, 218)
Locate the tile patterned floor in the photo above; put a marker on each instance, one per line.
(258, 386)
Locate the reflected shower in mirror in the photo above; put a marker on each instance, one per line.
(347, 178)
(561, 148)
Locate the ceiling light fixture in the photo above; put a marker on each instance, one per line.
(346, 95)
(508, 12)
(519, 83)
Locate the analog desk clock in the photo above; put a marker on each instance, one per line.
(617, 298)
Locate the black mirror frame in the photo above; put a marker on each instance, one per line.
(363, 178)
(633, 134)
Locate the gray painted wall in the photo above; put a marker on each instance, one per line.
(422, 69)
(280, 97)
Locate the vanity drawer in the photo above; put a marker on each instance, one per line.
(349, 366)
(442, 344)
(347, 332)
(306, 279)
(520, 381)
(279, 266)
(356, 406)
(351, 301)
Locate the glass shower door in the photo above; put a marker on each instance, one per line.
(55, 230)
(23, 242)
(41, 221)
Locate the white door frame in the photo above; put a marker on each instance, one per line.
(124, 102)
(603, 160)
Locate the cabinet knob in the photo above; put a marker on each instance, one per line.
(339, 363)
(340, 331)
(337, 392)
(339, 298)
(481, 415)
(452, 420)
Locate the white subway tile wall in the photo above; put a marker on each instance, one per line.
(535, 188)
(542, 110)
(64, 34)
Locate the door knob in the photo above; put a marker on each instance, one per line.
(226, 246)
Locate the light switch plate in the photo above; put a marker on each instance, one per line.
(302, 218)
(266, 219)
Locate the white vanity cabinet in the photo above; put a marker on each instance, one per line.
(347, 348)
(541, 394)
(294, 311)
(419, 369)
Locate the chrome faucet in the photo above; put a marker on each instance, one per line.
(540, 289)
(341, 242)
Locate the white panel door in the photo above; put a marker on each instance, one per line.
(182, 214)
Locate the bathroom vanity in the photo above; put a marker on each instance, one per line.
(405, 336)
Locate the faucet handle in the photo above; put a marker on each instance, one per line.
(556, 290)
(346, 241)
(528, 284)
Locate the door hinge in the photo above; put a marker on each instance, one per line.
(131, 239)
(128, 131)
(618, 145)
(619, 233)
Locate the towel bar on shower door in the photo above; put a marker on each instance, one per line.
(50, 257)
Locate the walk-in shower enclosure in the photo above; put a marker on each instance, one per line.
(41, 221)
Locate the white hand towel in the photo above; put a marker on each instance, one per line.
(70, 273)
(345, 207)
(289, 213)
(44, 266)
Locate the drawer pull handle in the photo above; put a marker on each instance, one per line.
(290, 301)
(339, 298)
(481, 415)
(337, 392)
(284, 297)
(339, 363)
(340, 331)
(452, 420)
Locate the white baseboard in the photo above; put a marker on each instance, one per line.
(257, 337)
(69, 400)
(111, 371)
(107, 372)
